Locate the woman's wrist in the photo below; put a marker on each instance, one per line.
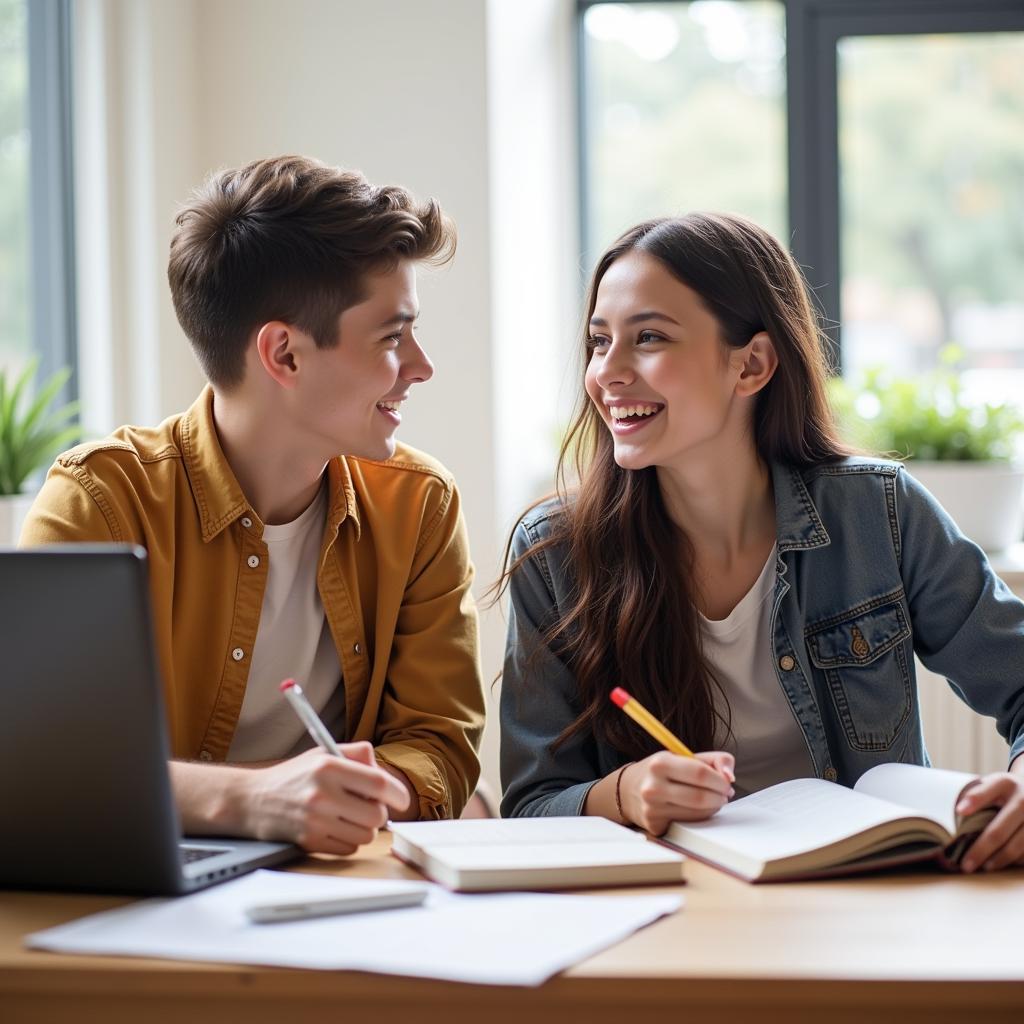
(624, 818)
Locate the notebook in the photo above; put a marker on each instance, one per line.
(480, 854)
(84, 786)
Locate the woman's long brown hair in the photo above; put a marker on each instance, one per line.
(633, 619)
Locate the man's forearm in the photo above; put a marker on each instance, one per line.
(210, 798)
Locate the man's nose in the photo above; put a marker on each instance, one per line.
(416, 364)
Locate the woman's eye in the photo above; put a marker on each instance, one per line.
(646, 337)
(597, 341)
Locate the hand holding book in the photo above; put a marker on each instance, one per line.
(1001, 843)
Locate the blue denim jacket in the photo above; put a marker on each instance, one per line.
(870, 571)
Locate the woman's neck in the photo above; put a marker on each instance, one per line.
(725, 505)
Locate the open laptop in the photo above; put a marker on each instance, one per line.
(85, 796)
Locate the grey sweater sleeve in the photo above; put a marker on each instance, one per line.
(537, 701)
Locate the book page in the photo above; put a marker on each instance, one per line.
(930, 792)
(515, 831)
(790, 818)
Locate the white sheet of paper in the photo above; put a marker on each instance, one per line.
(505, 939)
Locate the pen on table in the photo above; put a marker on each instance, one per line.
(310, 719)
(669, 740)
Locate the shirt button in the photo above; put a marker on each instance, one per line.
(787, 663)
(253, 561)
(238, 654)
(246, 522)
(205, 755)
(831, 774)
(358, 648)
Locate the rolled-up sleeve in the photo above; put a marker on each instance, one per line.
(432, 712)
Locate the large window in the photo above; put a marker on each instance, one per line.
(15, 255)
(36, 245)
(883, 140)
(931, 136)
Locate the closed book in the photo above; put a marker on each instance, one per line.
(481, 854)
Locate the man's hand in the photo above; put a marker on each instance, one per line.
(325, 804)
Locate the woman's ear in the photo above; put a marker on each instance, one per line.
(276, 348)
(759, 362)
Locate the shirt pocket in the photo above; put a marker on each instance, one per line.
(862, 654)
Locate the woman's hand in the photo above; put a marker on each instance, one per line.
(1001, 844)
(668, 787)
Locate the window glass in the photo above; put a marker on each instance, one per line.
(685, 107)
(932, 205)
(15, 304)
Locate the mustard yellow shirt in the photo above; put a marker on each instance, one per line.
(394, 578)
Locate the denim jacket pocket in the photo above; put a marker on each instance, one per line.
(862, 654)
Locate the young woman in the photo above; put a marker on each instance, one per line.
(729, 563)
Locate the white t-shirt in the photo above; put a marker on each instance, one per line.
(766, 740)
(293, 642)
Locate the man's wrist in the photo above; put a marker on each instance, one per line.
(213, 799)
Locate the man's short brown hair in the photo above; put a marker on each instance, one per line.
(288, 239)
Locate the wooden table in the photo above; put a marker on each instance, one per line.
(908, 948)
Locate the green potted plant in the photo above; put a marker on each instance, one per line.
(967, 454)
(31, 433)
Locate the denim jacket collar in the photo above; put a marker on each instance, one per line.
(797, 523)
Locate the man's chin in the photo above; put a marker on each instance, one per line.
(377, 451)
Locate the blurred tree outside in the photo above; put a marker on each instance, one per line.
(685, 111)
(932, 186)
(15, 339)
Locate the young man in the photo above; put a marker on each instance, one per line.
(288, 535)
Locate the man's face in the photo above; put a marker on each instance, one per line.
(352, 394)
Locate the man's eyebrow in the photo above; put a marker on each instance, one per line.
(400, 318)
(636, 318)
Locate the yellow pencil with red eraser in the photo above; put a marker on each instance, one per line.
(647, 721)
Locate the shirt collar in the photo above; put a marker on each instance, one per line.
(218, 495)
(797, 522)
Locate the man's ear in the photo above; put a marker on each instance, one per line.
(759, 361)
(277, 344)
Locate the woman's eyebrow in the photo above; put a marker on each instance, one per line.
(649, 314)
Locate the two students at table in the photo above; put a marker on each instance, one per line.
(722, 556)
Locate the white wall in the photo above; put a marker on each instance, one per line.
(166, 92)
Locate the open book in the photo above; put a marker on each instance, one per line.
(896, 814)
(533, 853)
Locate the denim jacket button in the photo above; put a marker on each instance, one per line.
(787, 663)
(831, 774)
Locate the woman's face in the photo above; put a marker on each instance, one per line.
(659, 373)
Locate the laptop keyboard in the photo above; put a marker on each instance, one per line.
(190, 854)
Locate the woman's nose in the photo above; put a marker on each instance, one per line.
(616, 368)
